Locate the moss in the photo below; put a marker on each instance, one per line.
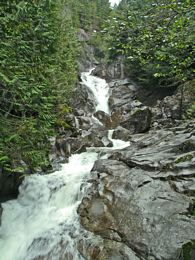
(185, 158)
(187, 250)
(168, 167)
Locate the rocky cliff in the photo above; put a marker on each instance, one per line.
(139, 202)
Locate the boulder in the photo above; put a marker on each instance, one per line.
(121, 133)
(85, 100)
(104, 118)
(95, 138)
(141, 197)
(138, 120)
(91, 249)
(84, 122)
(67, 146)
(9, 185)
(168, 111)
(121, 95)
(115, 70)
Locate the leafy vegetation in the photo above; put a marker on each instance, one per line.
(39, 51)
(38, 70)
(38, 48)
(157, 40)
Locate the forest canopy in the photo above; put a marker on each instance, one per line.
(38, 71)
(156, 38)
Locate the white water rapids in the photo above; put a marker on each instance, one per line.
(39, 224)
(100, 90)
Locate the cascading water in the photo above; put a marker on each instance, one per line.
(44, 211)
(100, 90)
(42, 222)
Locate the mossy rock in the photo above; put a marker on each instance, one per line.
(188, 251)
(185, 158)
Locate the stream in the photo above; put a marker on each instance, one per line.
(43, 222)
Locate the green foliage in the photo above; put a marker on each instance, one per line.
(37, 72)
(185, 158)
(156, 38)
(87, 14)
(187, 250)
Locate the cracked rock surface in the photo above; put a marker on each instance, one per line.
(140, 201)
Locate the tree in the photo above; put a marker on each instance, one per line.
(38, 67)
(156, 39)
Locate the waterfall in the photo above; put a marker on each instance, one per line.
(76, 122)
(46, 207)
(100, 90)
(43, 222)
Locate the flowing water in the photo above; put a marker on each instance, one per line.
(100, 90)
(43, 222)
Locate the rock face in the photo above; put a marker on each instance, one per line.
(169, 110)
(126, 110)
(138, 121)
(85, 100)
(139, 203)
(9, 184)
(121, 95)
(121, 133)
(115, 70)
(86, 58)
(104, 118)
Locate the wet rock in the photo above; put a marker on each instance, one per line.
(127, 111)
(48, 246)
(84, 122)
(67, 146)
(9, 185)
(99, 249)
(79, 112)
(162, 150)
(138, 121)
(136, 210)
(142, 198)
(121, 96)
(86, 59)
(122, 134)
(116, 118)
(168, 111)
(115, 70)
(104, 118)
(97, 138)
(119, 82)
(107, 142)
(85, 100)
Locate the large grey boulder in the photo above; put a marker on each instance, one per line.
(114, 70)
(168, 111)
(121, 133)
(85, 100)
(141, 199)
(121, 96)
(104, 118)
(67, 146)
(138, 120)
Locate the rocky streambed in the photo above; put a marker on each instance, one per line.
(127, 192)
(139, 201)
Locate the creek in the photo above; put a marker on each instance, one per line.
(42, 222)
